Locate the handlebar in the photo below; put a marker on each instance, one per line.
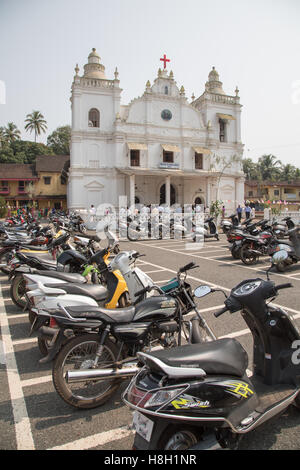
(220, 312)
(284, 286)
(137, 255)
(280, 286)
(187, 267)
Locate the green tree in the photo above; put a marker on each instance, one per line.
(23, 151)
(59, 140)
(250, 169)
(269, 167)
(11, 132)
(3, 138)
(288, 172)
(35, 122)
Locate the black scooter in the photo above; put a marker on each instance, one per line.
(199, 396)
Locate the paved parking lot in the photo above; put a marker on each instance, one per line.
(34, 417)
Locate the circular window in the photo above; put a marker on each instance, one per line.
(166, 114)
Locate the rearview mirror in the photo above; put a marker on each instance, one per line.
(201, 291)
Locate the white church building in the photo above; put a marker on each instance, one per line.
(159, 148)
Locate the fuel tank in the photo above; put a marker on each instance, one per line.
(156, 308)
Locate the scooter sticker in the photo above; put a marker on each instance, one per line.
(240, 388)
(190, 402)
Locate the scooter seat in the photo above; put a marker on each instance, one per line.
(107, 315)
(68, 277)
(27, 246)
(96, 292)
(223, 356)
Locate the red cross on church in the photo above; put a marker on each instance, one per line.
(165, 60)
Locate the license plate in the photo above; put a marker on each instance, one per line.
(142, 425)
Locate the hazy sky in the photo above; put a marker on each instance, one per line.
(254, 44)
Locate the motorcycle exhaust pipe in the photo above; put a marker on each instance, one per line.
(100, 374)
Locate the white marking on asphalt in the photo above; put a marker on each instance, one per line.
(23, 432)
(36, 381)
(230, 263)
(217, 286)
(2, 353)
(96, 440)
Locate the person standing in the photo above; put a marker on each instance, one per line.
(247, 211)
(239, 212)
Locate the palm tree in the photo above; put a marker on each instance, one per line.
(11, 132)
(269, 167)
(3, 138)
(35, 122)
(288, 172)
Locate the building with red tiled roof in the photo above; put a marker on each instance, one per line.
(41, 184)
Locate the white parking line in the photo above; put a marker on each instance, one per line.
(155, 271)
(220, 261)
(36, 381)
(297, 312)
(24, 438)
(96, 440)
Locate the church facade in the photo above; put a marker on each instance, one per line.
(160, 148)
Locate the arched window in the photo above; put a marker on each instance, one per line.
(94, 118)
(166, 90)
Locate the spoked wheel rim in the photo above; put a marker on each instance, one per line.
(247, 257)
(82, 357)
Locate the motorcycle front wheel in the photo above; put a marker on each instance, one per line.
(17, 291)
(77, 354)
(247, 257)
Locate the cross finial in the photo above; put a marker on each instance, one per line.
(165, 60)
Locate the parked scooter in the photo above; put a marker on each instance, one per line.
(281, 229)
(291, 248)
(227, 225)
(209, 230)
(199, 396)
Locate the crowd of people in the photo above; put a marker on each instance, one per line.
(25, 210)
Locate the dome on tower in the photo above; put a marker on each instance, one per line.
(214, 85)
(94, 69)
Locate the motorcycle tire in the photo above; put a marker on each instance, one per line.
(249, 259)
(180, 439)
(236, 252)
(17, 291)
(82, 349)
(4, 258)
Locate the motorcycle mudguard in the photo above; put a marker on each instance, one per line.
(53, 350)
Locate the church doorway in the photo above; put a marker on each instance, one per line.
(162, 195)
(199, 200)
